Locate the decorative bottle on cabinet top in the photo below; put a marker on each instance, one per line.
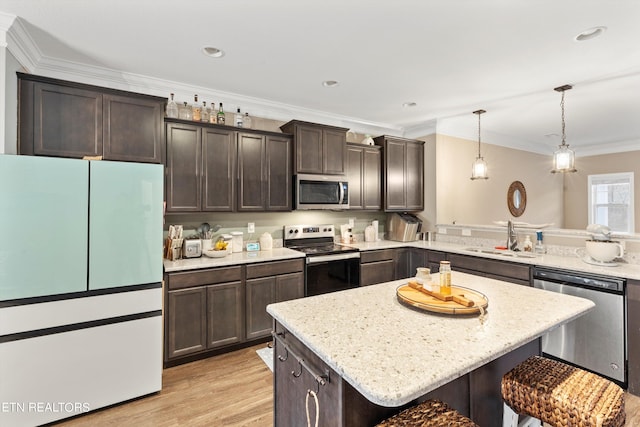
(172, 108)
(204, 113)
(238, 118)
(197, 109)
(246, 121)
(220, 116)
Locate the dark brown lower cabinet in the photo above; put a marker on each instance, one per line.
(268, 283)
(633, 336)
(213, 310)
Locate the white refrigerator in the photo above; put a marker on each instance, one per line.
(80, 286)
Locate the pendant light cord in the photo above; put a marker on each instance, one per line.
(479, 135)
(564, 136)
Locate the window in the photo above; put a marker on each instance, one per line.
(611, 201)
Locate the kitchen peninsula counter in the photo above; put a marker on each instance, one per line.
(573, 263)
(391, 354)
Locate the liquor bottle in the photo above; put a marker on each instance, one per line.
(220, 115)
(238, 118)
(246, 121)
(196, 109)
(212, 113)
(185, 112)
(204, 114)
(172, 108)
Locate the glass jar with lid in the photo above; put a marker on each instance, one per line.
(184, 112)
(172, 108)
(445, 277)
(423, 275)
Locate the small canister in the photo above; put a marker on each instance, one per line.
(229, 240)
(236, 238)
(266, 242)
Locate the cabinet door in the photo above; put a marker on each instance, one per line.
(289, 286)
(334, 151)
(414, 174)
(67, 121)
(225, 314)
(133, 129)
(218, 170)
(309, 149)
(417, 258)
(371, 179)
(278, 170)
(259, 293)
(184, 150)
(251, 172)
(186, 322)
(395, 195)
(355, 175)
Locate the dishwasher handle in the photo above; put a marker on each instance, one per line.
(580, 279)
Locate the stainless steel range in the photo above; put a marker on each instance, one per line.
(330, 266)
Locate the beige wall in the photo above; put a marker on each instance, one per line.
(463, 201)
(575, 191)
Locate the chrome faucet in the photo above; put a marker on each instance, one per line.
(512, 237)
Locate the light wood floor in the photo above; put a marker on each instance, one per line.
(233, 389)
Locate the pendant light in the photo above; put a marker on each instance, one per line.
(564, 159)
(479, 167)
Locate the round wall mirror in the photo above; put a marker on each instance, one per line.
(516, 198)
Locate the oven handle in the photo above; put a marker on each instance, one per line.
(334, 257)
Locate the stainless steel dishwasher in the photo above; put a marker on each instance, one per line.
(597, 340)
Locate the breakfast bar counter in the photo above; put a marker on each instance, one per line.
(364, 352)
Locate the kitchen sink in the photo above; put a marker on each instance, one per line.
(504, 253)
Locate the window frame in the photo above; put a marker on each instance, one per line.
(629, 177)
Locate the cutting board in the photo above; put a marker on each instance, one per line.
(415, 298)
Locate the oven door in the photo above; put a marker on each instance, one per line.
(330, 273)
(321, 192)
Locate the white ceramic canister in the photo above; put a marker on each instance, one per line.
(266, 242)
(236, 239)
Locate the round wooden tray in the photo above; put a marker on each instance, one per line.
(415, 298)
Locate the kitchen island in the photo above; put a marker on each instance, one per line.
(367, 356)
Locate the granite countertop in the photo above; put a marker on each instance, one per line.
(393, 354)
(573, 263)
(276, 254)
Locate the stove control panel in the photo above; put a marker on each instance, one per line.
(308, 231)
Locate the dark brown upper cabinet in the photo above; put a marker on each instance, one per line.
(66, 119)
(403, 173)
(364, 171)
(213, 168)
(317, 148)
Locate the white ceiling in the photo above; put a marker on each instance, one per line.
(450, 57)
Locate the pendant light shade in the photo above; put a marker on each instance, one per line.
(479, 168)
(564, 159)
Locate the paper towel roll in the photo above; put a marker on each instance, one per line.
(374, 224)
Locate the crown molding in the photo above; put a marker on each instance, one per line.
(21, 45)
(421, 129)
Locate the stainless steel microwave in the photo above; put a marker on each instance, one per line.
(321, 192)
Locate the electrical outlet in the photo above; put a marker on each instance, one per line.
(442, 230)
(251, 227)
(466, 232)
(352, 222)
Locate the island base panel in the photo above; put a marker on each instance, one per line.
(475, 395)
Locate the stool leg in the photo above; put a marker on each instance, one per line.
(510, 419)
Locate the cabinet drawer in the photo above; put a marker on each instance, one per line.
(373, 256)
(490, 267)
(274, 268)
(377, 272)
(204, 277)
(436, 257)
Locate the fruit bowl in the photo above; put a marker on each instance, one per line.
(216, 253)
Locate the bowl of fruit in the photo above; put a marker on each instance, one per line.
(219, 249)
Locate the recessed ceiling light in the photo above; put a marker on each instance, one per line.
(213, 52)
(589, 34)
(409, 104)
(329, 83)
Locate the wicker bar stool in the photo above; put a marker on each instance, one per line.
(560, 395)
(431, 413)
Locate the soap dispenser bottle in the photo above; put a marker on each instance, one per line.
(539, 249)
